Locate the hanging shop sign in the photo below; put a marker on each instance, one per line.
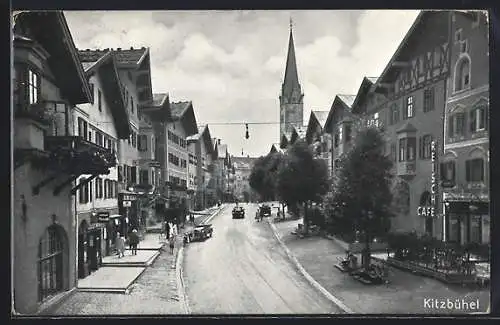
(127, 204)
(434, 184)
(103, 216)
(426, 211)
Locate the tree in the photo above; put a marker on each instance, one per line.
(302, 179)
(362, 190)
(264, 175)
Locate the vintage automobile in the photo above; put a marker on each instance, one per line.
(200, 233)
(264, 210)
(238, 212)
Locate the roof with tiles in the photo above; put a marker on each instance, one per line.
(159, 99)
(179, 108)
(347, 99)
(123, 57)
(321, 116)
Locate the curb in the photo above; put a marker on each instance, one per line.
(213, 215)
(308, 277)
(180, 280)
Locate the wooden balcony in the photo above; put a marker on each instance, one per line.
(77, 154)
(406, 168)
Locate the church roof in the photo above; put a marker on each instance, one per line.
(291, 80)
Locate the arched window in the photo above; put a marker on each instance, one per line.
(462, 74)
(50, 263)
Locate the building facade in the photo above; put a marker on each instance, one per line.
(407, 102)
(103, 123)
(48, 81)
(243, 168)
(465, 163)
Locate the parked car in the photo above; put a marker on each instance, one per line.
(238, 212)
(265, 210)
(200, 233)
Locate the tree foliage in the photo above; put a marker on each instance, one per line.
(302, 178)
(363, 183)
(264, 175)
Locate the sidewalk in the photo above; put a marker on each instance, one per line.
(154, 292)
(404, 294)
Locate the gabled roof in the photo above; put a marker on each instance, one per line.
(340, 102)
(184, 112)
(124, 58)
(158, 108)
(51, 31)
(366, 86)
(105, 67)
(203, 133)
(316, 120)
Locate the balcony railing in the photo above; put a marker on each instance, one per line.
(76, 152)
(406, 168)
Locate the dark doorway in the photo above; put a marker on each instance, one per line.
(82, 250)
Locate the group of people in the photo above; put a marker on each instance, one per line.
(120, 243)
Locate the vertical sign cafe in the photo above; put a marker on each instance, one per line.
(434, 186)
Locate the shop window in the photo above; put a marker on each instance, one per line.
(456, 125)
(474, 170)
(429, 99)
(462, 74)
(50, 263)
(425, 146)
(407, 148)
(478, 119)
(475, 229)
(144, 175)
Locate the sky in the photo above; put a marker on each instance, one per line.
(231, 64)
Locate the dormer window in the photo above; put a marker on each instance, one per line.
(462, 74)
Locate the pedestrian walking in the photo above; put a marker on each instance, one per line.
(171, 244)
(167, 230)
(120, 245)
(134, 241)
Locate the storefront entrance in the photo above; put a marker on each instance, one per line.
(82, 250)
(466, 222)
(50, 262)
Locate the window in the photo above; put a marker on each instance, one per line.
(341, 131)
(120, 171)
(458, 35)
(98, 188)
(99, 100)
(132, 104)
(81, 194)
(153, 180)
(92, 91)
(142, 144)
(376, 121)
(462, 74)
(428, 100)
(478, 119)
(106, 188)
(110, 145)
(82, 128)
(474, 170)
(394, 114)
(33, 87)
(134, 139)
(144, 177)
(133, 175)
(91, 196)
(99, 138)
(448, 173)
(407, 149)
(408, 113)
(425, 146)
(456, 125)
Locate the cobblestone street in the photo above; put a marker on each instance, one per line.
(155, 292)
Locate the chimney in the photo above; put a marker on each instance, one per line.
(118, 48)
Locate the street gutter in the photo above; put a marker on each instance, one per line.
(308, 277)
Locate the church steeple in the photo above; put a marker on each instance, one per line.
(291, 80)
